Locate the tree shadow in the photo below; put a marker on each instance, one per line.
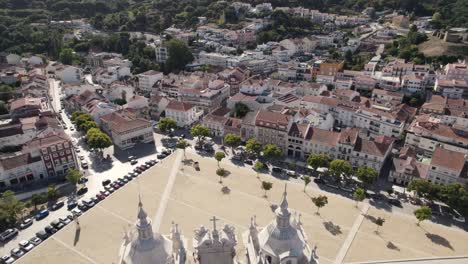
(225, 190)
(187, 161)
(381, 205)
(371, 218)
(392, 246)
(332, 228)
(439, 240)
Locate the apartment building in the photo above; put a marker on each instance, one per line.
(448, 166)
(452, 88)
(148, 79)
(406, 167)
(272, 128)
(185, 114)
(426, 133)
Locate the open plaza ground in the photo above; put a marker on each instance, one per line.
(173, 191)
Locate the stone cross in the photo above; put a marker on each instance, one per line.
(214, 219)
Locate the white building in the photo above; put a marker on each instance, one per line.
(127, 130)
(68, 74)
(147, 80)
(452, 88)
(185, 114)
(447, 167)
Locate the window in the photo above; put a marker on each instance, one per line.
(14, 181)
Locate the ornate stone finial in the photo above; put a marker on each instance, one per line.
(299, 222)
(284, 201)
(214, 219)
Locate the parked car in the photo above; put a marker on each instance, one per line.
(100, 196)
(43, 235)
(35, 241)
(8, 234)
(82, 191)
(25, 245)
(82, 206)
(65, 220)
(57, 205)
(84, 165)
(161, 156)
(395, 202)
(319, 181)
(71, 205)
(42, 214)
(26, 223)
(50, 230)
(17, 253)
(249, 162)
(458, 217)
(76, 212)
(106, 182)
(133, 161)
(277, 170)
(83, 180)
(130, 158)
(55, 223)
(7, 259)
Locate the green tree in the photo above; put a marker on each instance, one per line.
(36, 199)
(240, 110)
(10, 208)
(52, 193)
(96, 139)
(379, 222)
(219, 156)
(87, 126)
(166, 124)
(77, 114)
(200, 131)
(258, 167)
(340, 167)
(73, 176)
(306, 180)
(221, 173)
(6, 92)
(424, 189)
(366, 174)
(253, 146)
(318, 161)
(66, 56)
(182, 144)
(266, 186)
(179, 55)
(320, 201)
(3, 108)
(422, 213)
(359, 195)
(455, 195)
(271, 152)
(232, 140)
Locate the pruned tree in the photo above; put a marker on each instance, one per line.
(200, 131)
(182, 144)
(319, 201)
(366, 174)
(340, 167)
(266, 186)
(422, 213)
(379, 222)
(232, 140)
(219, 156)
(317, 161)
(359, 195)
(73, 176)
(258, 167)
(271, 152)
(253, 146)
(221, 173)
(306, 180)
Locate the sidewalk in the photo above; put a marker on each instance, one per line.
(27, 195)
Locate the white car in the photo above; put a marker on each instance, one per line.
(76, 212)
(25, 245)
(35, 241)
(17, 253)
(7, 259)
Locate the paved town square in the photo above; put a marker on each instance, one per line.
(174, 192)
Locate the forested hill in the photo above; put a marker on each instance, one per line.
(21, 30)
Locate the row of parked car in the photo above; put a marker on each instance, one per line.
(76, 209)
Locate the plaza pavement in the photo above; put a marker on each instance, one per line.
(195, 196)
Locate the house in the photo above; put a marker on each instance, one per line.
(185, 114)
(427, 132)
(447, 167)
(157, 105)
(254, 85)
(126, 130)
(272, 128)
(13, 59)
(35, 60)
(137, 102)
(68, 74)
(47, 156)
(299, 46)
(406, 167)
(148, 79)
(452, 112)
(452, 88)
(118, 90)
(28, 107)
(413, 83)
(216, 120)
(234, 78)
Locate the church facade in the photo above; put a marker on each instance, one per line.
(282, 241)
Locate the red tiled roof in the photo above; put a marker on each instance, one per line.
(179, 106)
(448, 159)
